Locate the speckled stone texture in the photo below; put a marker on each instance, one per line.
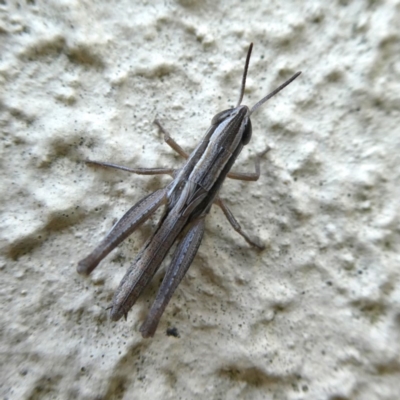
(314, 316)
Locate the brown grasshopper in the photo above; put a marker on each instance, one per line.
(187, 199)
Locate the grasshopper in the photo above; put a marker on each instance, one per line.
(187, 199)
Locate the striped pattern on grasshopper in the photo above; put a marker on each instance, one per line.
(187, 200)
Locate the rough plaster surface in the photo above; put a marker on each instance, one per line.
(314, 316)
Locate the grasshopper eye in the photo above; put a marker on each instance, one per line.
(247, 132)
(221, 116)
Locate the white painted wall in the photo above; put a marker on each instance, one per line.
(314, 316)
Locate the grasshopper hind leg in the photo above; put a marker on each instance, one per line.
(181, 260)
(132, 219)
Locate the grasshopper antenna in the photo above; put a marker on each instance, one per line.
(273, 93)
(246, 67)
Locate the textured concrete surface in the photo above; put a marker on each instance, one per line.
(314, 316)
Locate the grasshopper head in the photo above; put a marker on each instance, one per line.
(242, 115)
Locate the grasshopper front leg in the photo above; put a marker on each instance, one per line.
(170, 141)
(250, 176)
(181, 260)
